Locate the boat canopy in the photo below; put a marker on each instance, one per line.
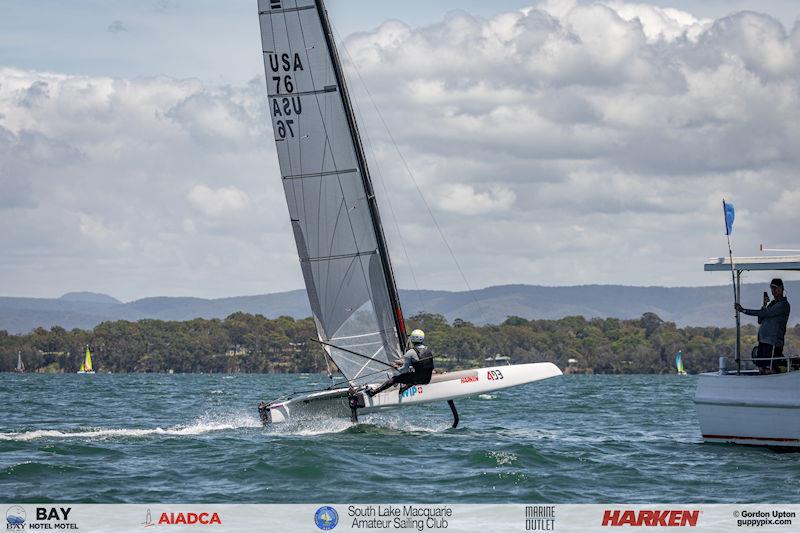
(787, 262)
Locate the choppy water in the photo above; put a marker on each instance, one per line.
(197, 438)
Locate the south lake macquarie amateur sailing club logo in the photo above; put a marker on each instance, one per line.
(326, 518)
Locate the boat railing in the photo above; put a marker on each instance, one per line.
(789, 362)
(782, 363)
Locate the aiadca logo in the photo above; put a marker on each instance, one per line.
(326, 518)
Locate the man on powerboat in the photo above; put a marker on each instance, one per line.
(772, 317)
(416, 367)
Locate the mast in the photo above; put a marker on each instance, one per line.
(383, 250)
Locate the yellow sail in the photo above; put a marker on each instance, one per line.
(87, 363)
(81, 369)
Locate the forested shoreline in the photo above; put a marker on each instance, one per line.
(246, 343)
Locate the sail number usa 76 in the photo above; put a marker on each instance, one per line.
(284, 106)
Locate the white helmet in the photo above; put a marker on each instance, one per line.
(417, 336)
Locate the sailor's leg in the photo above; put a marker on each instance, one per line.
(388, 383)
(408, 380)
(763, 356)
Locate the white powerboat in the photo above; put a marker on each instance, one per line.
(739, 405)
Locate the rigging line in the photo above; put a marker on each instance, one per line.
(416, 185)
(351, 352)
(364, 366)
(332, 386)
(360, 377)
(382, 181)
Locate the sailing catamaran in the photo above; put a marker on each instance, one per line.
(679, 363)
(338, 231)
(86, 366)
(20, 365)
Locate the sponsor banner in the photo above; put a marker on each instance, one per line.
(406, 517)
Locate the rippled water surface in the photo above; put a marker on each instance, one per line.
(197, 438)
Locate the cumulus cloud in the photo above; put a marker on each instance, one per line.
(220, 202)
(111, 184)
(569, 142)
(464, 200)
(626, 120)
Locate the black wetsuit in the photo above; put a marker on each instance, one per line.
(420, 374)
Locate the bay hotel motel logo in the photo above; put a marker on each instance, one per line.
(15, 518)
(46, 518)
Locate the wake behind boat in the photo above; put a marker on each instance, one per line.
(338, 232)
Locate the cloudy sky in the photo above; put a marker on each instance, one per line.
(556, 143)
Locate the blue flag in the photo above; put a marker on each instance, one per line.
(730, 215)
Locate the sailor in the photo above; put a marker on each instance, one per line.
(415, 368)
(772, 318)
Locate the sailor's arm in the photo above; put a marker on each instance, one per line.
(408, 358)
(779, 309)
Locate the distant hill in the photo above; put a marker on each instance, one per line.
(91, 297)
(686, 306)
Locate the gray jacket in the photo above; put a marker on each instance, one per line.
(411, 356)
(773, 319)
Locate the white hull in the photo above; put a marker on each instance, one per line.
(85, 372)
(443, 387)
(750, 409)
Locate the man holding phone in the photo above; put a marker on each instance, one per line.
(772, 317)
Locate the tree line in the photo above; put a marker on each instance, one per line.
(254, 344)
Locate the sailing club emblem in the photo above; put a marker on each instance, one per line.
(326, 518)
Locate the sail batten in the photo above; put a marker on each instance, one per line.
(331, 204)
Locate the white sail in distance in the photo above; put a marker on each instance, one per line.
(332, 206)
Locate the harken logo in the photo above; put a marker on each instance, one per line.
(15, 517)
(326, 518)
(650, 518)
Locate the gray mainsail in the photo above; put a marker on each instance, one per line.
(332, 206)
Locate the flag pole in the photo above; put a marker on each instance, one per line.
(728, 230)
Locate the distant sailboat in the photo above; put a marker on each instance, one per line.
(20, 365)
(679, 363)
(86, 366)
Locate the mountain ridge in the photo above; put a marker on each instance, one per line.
(686, 306)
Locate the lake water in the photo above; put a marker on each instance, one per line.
(198, 439)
